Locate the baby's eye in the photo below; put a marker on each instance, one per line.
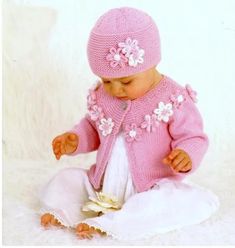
(127, 82)
(106, 82)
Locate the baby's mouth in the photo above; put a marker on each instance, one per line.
(122, 97)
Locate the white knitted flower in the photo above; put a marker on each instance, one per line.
(136, 57)
(91, 98)
(132, 132)
(164, 111)
(177, 99)
(102, 203)
(132, 51)
(95, 112)
(128, 46)
(106, 126)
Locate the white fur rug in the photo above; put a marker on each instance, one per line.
(46, 77)
(23, 179)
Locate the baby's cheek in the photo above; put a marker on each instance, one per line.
(135, 93)
(107, 89)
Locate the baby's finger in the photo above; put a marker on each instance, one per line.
(56, 144)
(187, 167)
(72, 141)
(56, 147)
(177, 160)
(72, 144)
(62, 148)
(181, 165)
(58, 155)
(55, 140)
(173, 154)
(56, 150)
(72, 137)
(53, 145)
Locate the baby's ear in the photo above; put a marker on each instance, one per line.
(97, 84)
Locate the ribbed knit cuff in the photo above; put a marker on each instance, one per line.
(195, 152)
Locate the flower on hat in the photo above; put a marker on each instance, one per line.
(132, 51)
(116, 57)
(136, 57)
(128, 46)
(127, 53)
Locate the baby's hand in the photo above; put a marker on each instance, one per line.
(178, 160)
(64, 144)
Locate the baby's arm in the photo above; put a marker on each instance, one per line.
(88, 136)
(188, 139)
(81, 139)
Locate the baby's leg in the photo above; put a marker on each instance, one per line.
(63, 197)
(82, 230)
(62, 200)
(49, 219)
(85, 231)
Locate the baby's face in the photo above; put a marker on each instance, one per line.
(132, 87)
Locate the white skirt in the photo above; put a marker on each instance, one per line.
(169, 205)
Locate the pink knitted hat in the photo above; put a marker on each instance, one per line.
(123, 42)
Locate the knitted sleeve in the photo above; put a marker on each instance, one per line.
(88, 136)
(186, 129)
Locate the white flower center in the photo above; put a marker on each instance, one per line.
(132, 133)
(180, 98)
(117, 57)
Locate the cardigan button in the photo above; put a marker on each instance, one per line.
(122, 128)
(124, 105)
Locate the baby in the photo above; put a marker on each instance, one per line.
(148, 135)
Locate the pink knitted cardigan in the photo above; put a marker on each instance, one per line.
(163, 119)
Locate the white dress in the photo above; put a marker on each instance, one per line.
(167, 206)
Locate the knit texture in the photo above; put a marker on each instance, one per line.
(115, 27)
(184, 130)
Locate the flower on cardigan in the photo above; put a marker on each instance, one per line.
(96, 113)
(91, 98)
(102, 203)
(164, 111)
(150, 123)
(132, 132)
(106, 126)
(177, 99)
(191, 92)
(116, 57)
